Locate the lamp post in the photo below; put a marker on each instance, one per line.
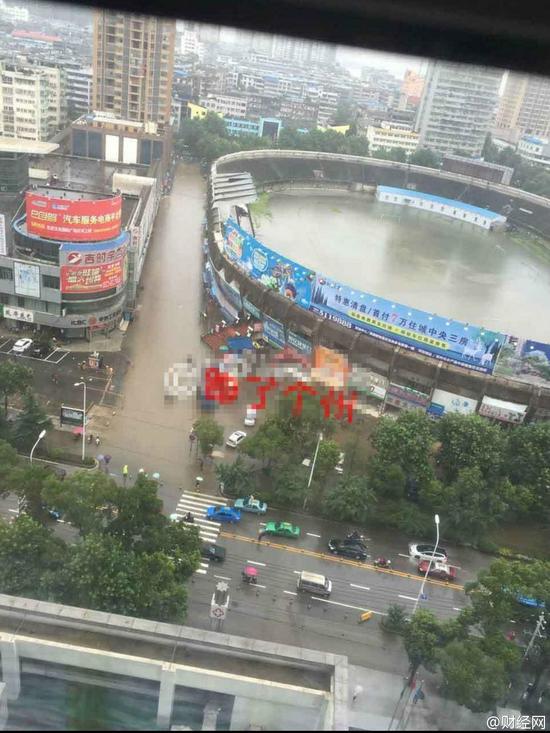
(83, 384)
(436, 520)
(21, 500)
(42, 434)
(312, 468)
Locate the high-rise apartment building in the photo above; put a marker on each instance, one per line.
(133, 63)
(79, 88)
(458, 107)
(32, 99)
(524, 107)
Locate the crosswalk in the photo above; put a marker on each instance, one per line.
(197, 504)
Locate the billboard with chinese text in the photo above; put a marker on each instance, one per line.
(86, 268)
(74, 220)
(429, 334)
(268, 267)
(26, 279)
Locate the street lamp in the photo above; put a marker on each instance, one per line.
(312, 468)
(42, 434)
(83, 384)
(421, 592)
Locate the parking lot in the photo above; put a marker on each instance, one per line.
(55, 356)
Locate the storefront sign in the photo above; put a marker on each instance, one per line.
(3, 250)
(500, 410)
(75, 220)
(86, 268)
(19, 314)
(406, 398)
(26, 279)
(299, 343)
(443, 402)
(71, 416)
(274, 332)
(251, 308)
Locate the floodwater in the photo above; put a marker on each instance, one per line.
(416, 258)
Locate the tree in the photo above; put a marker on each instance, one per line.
(490, 150)
(14, 379)
(8, 460)
(469, 505)
(289, 486)
(469, 441)
(527, 462)
(215, 125)
(27, 551)
(209, 434)
(138, 521)
(387, 479)
(405, 442)
(100, 574)
(236, 477)
(271, 442)
(181, 543)
(30, 423)
(395, 620)
(28, 481)
(349, 501)
(423, 637)
(425, 157)
(86, 498)
(474, 676)
(327, 458)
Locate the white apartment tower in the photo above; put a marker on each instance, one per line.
(458, 107)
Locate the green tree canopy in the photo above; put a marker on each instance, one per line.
(236, 477)
(30, 423)
(527, 461)
(209, 434)
(425, 157)
(469, 441)
(271, 442)
(28, 551)
(14, 379)
(350, 500)
(28, 482)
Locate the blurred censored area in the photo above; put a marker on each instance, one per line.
(339, 387)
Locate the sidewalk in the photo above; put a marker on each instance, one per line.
(374, 707)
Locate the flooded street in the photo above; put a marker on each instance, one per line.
(419, 259)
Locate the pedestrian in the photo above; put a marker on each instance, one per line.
(125, 473)
(198, 481)
(90, 437)
(201, 463)
(97, 440)
(357, 691)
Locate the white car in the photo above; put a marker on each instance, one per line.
(250, 418)
(339, 467)
(235, 438)
(420, 551)
(21, 345)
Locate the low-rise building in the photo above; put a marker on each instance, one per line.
(388, 137)
(535, 149)
(225, 104)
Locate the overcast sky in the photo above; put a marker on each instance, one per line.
(354, 59)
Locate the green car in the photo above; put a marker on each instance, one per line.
(281, 529)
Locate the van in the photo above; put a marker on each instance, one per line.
(314, 583)
(250, 418)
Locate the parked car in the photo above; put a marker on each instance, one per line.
(223, 514)
(40, 349)
(213, 552)
(339, 467)
(235, 438)
(21, 346)
(419, 551)
(281, 529)
(250, 504)
(346, 549)
(440, 570)
(531, 602)
(250, 417)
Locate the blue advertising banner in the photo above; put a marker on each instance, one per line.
(274, 332)
(232, 295)
(251, 308)
(299, 343)
(428, 334)
(268, 267)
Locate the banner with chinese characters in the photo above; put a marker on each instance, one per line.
(75, 220)
(274, 332)
(526, 360)
(429, 334)
(443, 402)
(268, 267)
(93, 268)
(406, 398)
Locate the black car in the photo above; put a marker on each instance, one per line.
(346, 549)
(40, 349)
(213, 552)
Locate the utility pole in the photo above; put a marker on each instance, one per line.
(539, 628)
(312, 469)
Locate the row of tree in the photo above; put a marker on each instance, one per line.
(479, 653)
(471, 471)
(527, 176)
(124, 555)
(208, 139)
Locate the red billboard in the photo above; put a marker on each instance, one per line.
(71, 220)
(93, 268)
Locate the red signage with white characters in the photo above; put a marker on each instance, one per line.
(93, 269)
(84, 220)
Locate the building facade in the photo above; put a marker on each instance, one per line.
(524, 107)
(457, 108)
(535, 149)
(224, 104)
(30, 105)
(387, 137)
(133, 61)
(79, 88)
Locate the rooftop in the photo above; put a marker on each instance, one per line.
(32, 147)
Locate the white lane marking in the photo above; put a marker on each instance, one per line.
(408, 598)
(200, 571)
(262, 524)
(198, 502)
(58, 361)
(345, 605)
(402, 555)
(256, 585)
(14, 511)
(199, 520)
(215, 499)
(222, 577)
(7, 341)
(253, 562)
(297, 572)
(208, 536)
(204, 564)
(363, 587)
(290, 593)
(310, 534)
(457, 609)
